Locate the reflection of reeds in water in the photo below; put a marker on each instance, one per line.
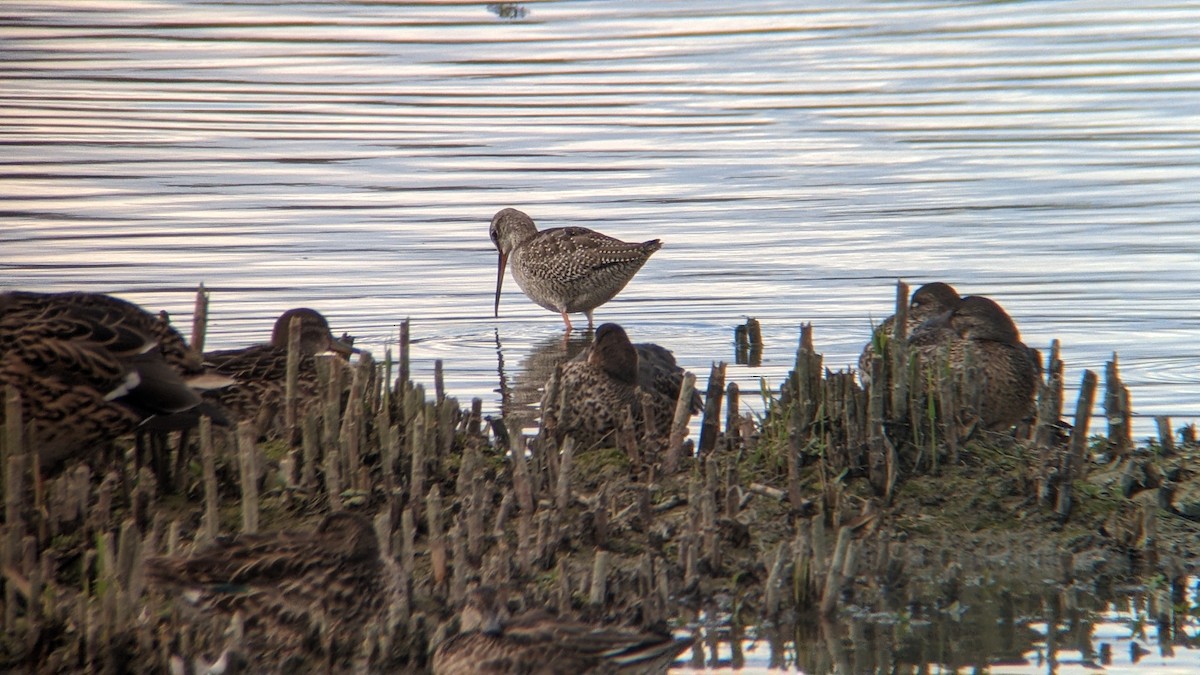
(493, 641)
(1002, 625)
(521, 390)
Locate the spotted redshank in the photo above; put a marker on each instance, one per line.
(1009, 370)
(490, 641)
(565, 269)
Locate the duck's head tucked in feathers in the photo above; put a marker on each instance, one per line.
(315, 334)
(615, 354)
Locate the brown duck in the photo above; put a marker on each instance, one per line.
(91, 367)
(927, 302)
(613, 375)
(978, 326)
(260, 371)
(565, 269)
(537, 643)
(304, 598)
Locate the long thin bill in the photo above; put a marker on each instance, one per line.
(499, 282)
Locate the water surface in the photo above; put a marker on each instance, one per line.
(796, 160)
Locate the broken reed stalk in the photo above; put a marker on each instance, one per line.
(626, 437)
(600, 567)
(291, 393)
(328, 381)
(897, 354)
(448, 414)
(876, 402)
(562, 492)
(1166, 439)
(773, 590)
(475, 420)
(439, 383)
(248, 467)
(600, 517)
(437, 540)
(403, 374)
(209, 525)
(949, 396)
(732, 406)
(1074, 460)
(710, 425)
(459, 567)
(416, 453)
(1116, 410)
(754, 333)
(522, 480)
(389, 445)
(807, 375)
(679, 426)
(408, 535)
(14, 454)
(835, 579)
(350, 435)
(708, 514)
(476, 505)
(199, 319)
(14, 478)
(795, 492)
(748, 343)
(310, 441)
(1050, 400)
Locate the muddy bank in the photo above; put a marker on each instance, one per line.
(835, 502)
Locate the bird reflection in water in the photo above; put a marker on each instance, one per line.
(521, 390)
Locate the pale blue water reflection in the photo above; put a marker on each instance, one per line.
(795, 160)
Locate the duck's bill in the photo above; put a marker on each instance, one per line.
(343, 346)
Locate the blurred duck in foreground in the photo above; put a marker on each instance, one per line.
(928, 301)
(491, 642)
(302, 600)
(565, 269)
(978, 331)
(611, 376)
(260, 371)
(91, 367)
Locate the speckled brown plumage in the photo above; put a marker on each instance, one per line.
(565, 269)
(927, 302)
(260, 371)
(112, 311)
(613, 375)
(536, 643)
(90, 368)
(658, 372)
(1010, 370)
(312, 595)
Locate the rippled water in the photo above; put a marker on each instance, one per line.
(795, 161)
